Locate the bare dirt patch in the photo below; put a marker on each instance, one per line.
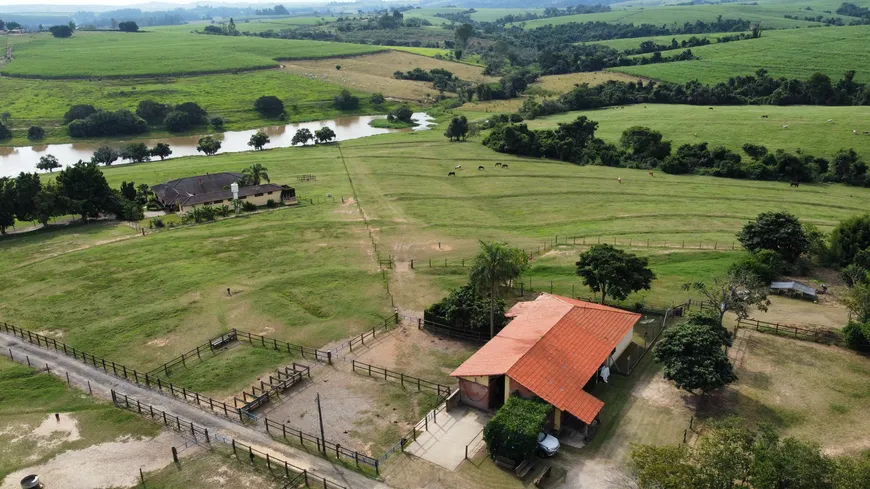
(374, 73)
(113, 464)
(558, 84)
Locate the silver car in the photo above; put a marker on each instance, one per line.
(548, 445)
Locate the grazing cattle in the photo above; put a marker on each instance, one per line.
(652, 174)
(451, 174)
(830, 121)
(711, 108)
(867, 133)
(795, 184)
(785, 126)
(480, 168)
(854, 131)
(504, 165)
(696, 134)
(764, 117)
(458, 167)
(619, 179)
(498, 164)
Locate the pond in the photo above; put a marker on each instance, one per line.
(17, 159)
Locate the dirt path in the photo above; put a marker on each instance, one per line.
(102, 384)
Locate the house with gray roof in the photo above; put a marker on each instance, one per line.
(184, 194)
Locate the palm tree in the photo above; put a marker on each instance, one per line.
(496, 265)
(255, 173)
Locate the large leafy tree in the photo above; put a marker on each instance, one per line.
(258, 140)
(738, 292)
(208, 145)
(776, 231)
(457, 129)
(7, 203)
(48, 162)
(82, 189)
(105, 155)
(136, 152)
(269, 106)
(614, 272)
(27, 188)
(324, 134)
(161, 150)
(495, 267)
(465, 308)
(694, 358)
(254, 175)
(849, 238)
(302, 136)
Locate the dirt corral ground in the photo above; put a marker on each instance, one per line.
(374, 73)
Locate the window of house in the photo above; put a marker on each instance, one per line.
(270, 193)
(243, 197)
(258, 195)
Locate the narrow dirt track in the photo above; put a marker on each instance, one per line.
(102, 384)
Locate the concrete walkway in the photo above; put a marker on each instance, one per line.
(84, 377)
(444, 443)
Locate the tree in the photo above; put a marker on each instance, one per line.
(128, 26)
(136, 153)
(756, 152)
(48, 162)
(161, 150)
(177, 121)
(513, 431)
(196, 113)
(694, 358)
(496, 265)
(269, 106)
(5, 132)
(35, 133)
(105, 155)
(345, 101)
(77, 112)
(462, 34)
(613, 272)
(128, 190)
(27, 188)
(661, 467)
(324, 134)
(302, 136)
(208, 145)
(7, 203)
(61, 31)
(403, 113)
(776, 231)
(465, 309)
(82, 189)
(457, 129)
(377, 98)
(739, 291)
(254, 175)
(153, 112)
(72, 26)
(857, 299)
(47, 203)
(849, 238)
(258, 140)
(645, 143)
(217, 123)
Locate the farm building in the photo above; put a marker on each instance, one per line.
(554, 348)
(185, 194)
(794, 289)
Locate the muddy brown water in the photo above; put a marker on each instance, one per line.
(17, 159)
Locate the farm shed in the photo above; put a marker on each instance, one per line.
(794, 288)
(554, 348)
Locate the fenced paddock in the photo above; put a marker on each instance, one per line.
(324, 447)
(823, 336)
(442, 391)
(285, 379)
(295, 476)
(279, 345)
(214, 346)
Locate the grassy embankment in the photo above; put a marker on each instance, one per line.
(792, 53)
(808, 129)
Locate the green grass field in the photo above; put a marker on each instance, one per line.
(102, 54)
(634, 43)
(481, 14)
(793, 53)
(770, 15)
(733, 126)
(231, 96)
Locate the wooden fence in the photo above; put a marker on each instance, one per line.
(296, 476)
(405, 380)
(285, 379)
(824, 336)
(452, 331)
(214, 346)
(278, 345)
(128, 374)
(357, 341)
(325, 447)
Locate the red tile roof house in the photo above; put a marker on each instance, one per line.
(553, 349)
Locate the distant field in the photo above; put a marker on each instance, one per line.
(634, 42)
(277, 25)
(558, 84)
(231, 96)
(734, 126)
(374, 73)
(89, 54)
(481, 14)
(793, 53)
(771, 15)
(422, 51)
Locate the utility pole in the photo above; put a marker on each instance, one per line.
(320, 418)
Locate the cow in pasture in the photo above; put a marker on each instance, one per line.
(867, 133)
(711, 108)
(480, 167)
(451, 174)
(652, 174)
(830, 121)
(458, 167)
(504, 165)
(785, 126)
(764, 117)
(795, 184)
(854, 131)
(498, 164)
(619, 179)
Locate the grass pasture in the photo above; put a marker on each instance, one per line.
(374, 73)
(559, 84)
(634, 42)
(769, 14)
(791, 53)
(732, 126)
(114, 54)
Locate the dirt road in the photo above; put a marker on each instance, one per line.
(101, 385)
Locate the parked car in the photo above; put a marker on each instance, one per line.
(548, 445)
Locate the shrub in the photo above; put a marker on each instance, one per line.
(177, 121)
(270, 203)
(78, 112)
(197, 114)
(377, 99)
(403, 113)
(128, 26)
(157, 223)
(269, 106)
(153, 112)
(5, 133)
(513, 431)
(61, 31)
(35, 133)
(345, 101)
(464, 309)
(857, 336)
(105, 123)
(767, 265)
(217, 122)
(248, 206)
